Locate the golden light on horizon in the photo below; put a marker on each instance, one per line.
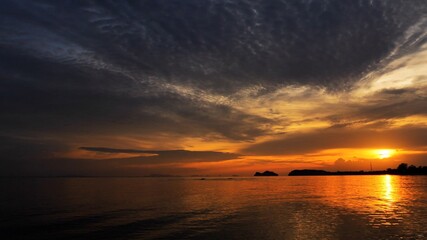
(385, 153)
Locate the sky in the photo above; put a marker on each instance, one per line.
(211, 87)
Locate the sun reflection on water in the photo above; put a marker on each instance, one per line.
(386, 211)
(388, 187)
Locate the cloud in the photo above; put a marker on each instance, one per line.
(168, 156)
(386, 104)
(31, 109)
(22, 147)
(397, 91)
(362, 164)
(158, 66)
(301, 143)
(217, 45)
(43, 158)
(236, 72)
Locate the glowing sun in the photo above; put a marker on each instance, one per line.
(385, 153)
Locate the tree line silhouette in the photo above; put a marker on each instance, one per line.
(402, 169)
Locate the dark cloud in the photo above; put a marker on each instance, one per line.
(23, 157)
(147, 68)
(22, 148)
(115, 150)
(31, 108)
(162, 156)
(396, 110)
(385, 105)
(405, 137)
(214, 44)
(77, 65)
(398, 91)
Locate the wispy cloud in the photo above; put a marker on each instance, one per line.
(273, 77)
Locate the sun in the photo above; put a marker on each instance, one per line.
(385, 153)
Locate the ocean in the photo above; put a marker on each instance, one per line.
(303, 207)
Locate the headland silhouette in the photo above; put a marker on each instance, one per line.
(266, 174)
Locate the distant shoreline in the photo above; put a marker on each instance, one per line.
(402, 169)
(325, 173)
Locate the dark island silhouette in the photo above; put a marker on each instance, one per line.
(266, 174)
(402, 169)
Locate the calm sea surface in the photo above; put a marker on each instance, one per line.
(328, 207)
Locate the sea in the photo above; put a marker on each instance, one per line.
(299, 207)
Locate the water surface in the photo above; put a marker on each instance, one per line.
(306, 207)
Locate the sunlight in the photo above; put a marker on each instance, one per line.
(388, 187)
(385, 153)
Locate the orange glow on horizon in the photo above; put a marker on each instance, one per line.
(385, 153)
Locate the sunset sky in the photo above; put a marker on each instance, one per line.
(211, 87)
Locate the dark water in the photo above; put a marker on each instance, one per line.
(332, 207)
